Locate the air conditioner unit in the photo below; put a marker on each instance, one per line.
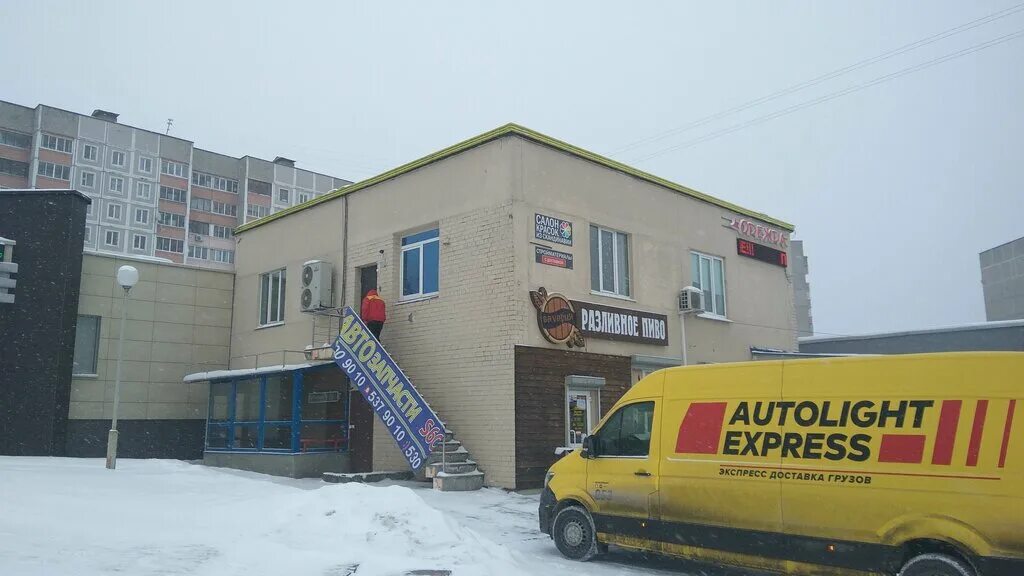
(197, 238)
(316, 286)
(691, 299)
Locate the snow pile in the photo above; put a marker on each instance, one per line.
(153, 517)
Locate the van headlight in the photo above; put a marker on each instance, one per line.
(547, 477)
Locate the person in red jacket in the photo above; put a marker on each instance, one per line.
(373, 312)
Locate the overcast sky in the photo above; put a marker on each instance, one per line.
(894, 188)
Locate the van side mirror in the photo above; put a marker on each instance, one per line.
(589, 449)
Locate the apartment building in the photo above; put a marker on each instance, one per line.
(1002, 281)
(153, 194)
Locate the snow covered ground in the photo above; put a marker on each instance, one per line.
(62, 516)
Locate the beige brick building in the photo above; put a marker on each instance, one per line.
(178, 322)
(456, 243)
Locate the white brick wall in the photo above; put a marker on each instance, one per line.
(463, 369)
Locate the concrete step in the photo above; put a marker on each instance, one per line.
(445, 482)
(365, 477)
(460, 455)
(431, 470)
(449, 446)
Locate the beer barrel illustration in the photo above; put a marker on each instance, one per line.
(556, 318)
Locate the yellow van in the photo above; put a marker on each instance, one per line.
(905, 465)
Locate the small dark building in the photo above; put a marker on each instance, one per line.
(987, 336)
(37, 330)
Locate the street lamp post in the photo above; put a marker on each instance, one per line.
(127, 276)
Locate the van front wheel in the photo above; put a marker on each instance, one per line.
(935, 565)
(574, 534)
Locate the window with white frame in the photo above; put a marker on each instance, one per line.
(197, 227)
(145, 164)
(200, 252)
(88, 234)
(303, 197)
(609, 262)
(143, 190)
(171, 219)
(221, 231)
(172, 194)
(224, 208)
(117, 158)
(223, 256)
(141, 216)
(55, 171)
(56, 143)
(113, 238)
(204, 204)
(172, 168)
(117, 184)
(139, 242)
(88, 208)
(257, 211)
(215, 182)
(15, 139)
(272, 288)
(170, 245)
(88, 179)
(708, 274)
(282, 195)
(420, 264)
(113, 211)
(89, 152)
(14, 168)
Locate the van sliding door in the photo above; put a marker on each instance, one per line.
(719, 493)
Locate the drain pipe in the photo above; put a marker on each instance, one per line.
(344, 250)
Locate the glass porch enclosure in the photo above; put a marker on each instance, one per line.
(302, 410)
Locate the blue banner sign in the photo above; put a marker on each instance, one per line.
(369, 367)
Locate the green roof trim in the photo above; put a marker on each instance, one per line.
(524, 132)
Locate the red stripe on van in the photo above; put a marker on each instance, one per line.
(907, 448)
(701, 428)
(1006, 432)
(945, 435)
(974, 449)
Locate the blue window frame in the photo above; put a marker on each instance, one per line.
(420, 264)
(299, 411)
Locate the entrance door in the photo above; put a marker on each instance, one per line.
(581, 415)
(360, 413)
(367, 280)
(360, 430)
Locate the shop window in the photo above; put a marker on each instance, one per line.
(324, 408)
(87, 339)
(277, 437)
(246, 437)
(260, 413)
(609, 262)
(272, 288)
(220, 401)
(217, 437)
(708, 274)
(247, 400)
(420, 264)
(627, 432)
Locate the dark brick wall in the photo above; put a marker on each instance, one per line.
(540, 402)
(176, 439)
(37, 332)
